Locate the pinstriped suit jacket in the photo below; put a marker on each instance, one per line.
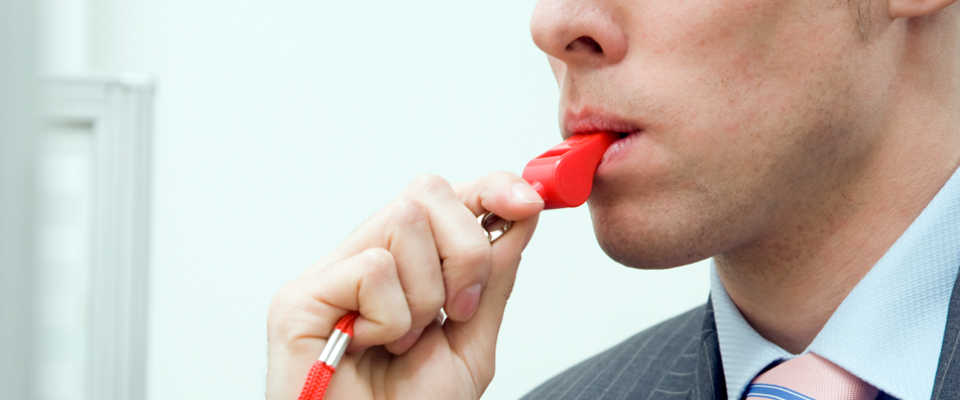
(679, 359)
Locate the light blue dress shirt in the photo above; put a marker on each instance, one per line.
(889, 329)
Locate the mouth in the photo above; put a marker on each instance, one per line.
(588, 121)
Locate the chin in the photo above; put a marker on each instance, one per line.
(642, 238)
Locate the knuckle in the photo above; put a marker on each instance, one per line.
(478, 255)
(507, 292)
(397, 324)
(429, 183)
(508, 288)
(425, 304)
(378, 260)
(406, 211)
(498, 179)
(504, 176)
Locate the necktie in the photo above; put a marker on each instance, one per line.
(809, 377)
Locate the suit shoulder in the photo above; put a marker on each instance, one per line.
(656, 359)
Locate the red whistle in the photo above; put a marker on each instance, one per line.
(563, 176)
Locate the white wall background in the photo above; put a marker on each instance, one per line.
(283, 124)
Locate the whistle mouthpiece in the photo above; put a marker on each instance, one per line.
(563, 176)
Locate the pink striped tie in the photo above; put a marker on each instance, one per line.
(809, 377)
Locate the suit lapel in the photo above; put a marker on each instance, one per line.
(710, 383)
(947, 384)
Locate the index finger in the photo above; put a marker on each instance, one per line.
(465, 252)
(463, 247)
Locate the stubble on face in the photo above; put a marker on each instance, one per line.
(747, 124)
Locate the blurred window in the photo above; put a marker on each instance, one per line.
(91, 237)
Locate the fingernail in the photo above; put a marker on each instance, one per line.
(407, 341)
(467, 301)
(525, 193)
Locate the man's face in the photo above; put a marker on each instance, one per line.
(743, 113)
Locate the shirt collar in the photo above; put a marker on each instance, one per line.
(889, 329)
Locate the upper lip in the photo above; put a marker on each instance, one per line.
(590, 121)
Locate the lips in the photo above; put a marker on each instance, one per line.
(590, 121)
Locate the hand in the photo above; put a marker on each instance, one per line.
(423, 251)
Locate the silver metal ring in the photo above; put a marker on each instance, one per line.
(488, 220)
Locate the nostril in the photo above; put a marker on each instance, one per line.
(585, 43)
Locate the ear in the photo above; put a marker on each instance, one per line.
(915, 8)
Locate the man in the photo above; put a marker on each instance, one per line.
(794, 141)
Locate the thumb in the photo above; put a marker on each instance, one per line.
(503, 193)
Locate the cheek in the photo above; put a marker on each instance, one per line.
(696, 28)
(738, 74)
(703, 61)
(735, 44)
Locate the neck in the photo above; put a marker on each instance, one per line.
(791, 277)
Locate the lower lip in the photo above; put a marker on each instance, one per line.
(617, 150)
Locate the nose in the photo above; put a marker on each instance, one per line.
(578, 33)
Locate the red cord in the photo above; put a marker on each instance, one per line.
(321, 372)
(317, 381)
(346, 323)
